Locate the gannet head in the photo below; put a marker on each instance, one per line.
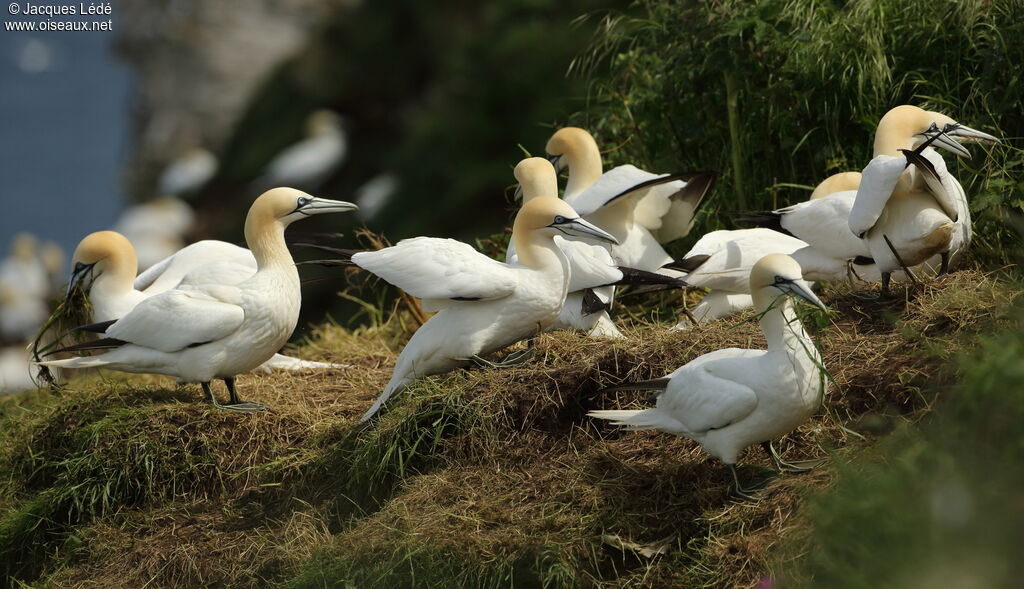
(907, 127)
(536, 177)
(568, 143)
(549, 215)
(836, 183)
(24, 246)
(101, 252)
(286, 205)
(322, 122)
(777, 273)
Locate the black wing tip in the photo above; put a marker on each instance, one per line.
(655, 384)
(687, 264)
(637, 276)
(105, 343)
(100, 327)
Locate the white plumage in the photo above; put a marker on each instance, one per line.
(204, 332)
(729, 399)
(309, 162)
(483, 305)
(188, 173)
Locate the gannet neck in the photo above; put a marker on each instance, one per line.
(536, 250)
(581, 154)
(782, 329)
(264, 234)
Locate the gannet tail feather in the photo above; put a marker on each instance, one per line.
(79, 362)
(633, 419)
(766, 219)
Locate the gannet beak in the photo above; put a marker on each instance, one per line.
(518, 193)
(801, 289)
(949, 144)
(581, 228)
(80, 272)
(319, 206)
(556, 161)
(969, 134)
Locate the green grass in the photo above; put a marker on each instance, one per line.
(489, 478)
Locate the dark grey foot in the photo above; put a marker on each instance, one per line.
(236, 404)
(514, 359)
(944, 266)
(796, 466)
(745, 493)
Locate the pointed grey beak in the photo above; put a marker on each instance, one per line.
(556, 161)
(581, 228)
(969, 134)
(518, 193)
(949, 144)
(800, 288)
(319, 206)
(77, 275)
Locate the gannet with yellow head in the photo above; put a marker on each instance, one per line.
(733, 398)
(642, 210)
(213, 331)
(482, 305)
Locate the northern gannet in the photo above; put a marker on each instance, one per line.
(309, 162)
(188, 173)
(24, 290)
(907, 216)
(210, 331)
(593, 272)
(105, 263)
(482, 305)
(642, 210)
(732, 398)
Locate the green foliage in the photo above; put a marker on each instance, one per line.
(936, 505)
(776, 92)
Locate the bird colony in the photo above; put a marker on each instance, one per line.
(209, 311)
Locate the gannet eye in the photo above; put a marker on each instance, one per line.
(780, 280)
(559, 219)
(79, 267)
(303, 201)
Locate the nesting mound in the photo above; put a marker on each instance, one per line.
(476, 478)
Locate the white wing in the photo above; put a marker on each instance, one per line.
(824, 224)
(729, 256)
(943, 186)
(227, 264)
(878, 180)
(620, 182)
(701, 395)
(589, 265)
(176, 319)
(432, 268)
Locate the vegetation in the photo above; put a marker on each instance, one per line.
(486, 478)
(779, 94)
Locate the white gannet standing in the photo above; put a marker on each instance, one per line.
(642, 210)
(106, 262)
(210, 331)
(732, 398)
(907, 216)
(188, 172)
(482, 305)
(309, 162)
(593, 272)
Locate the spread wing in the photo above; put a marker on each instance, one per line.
(622, 182)
(176, 319)
(729, 256)
(434, 268)
(824, 223)
(169, 272)
(878, 180)
(702, 396)
(685, 199)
